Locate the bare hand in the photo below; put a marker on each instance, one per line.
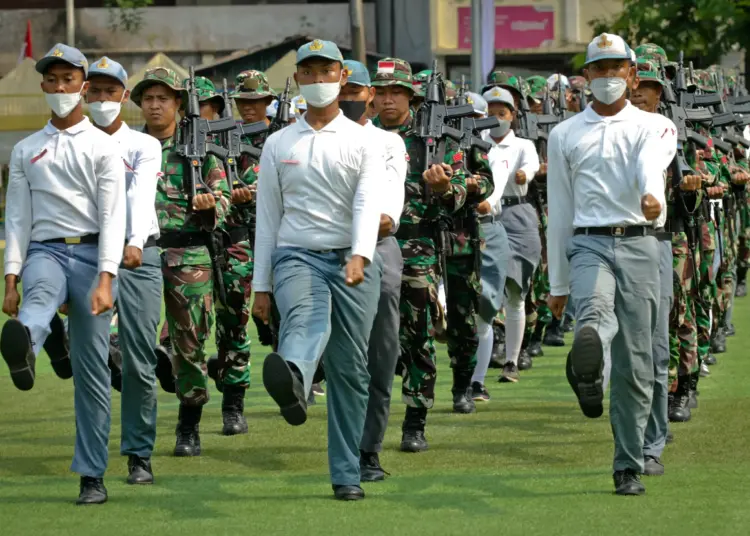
(691, 183)
(204, 202)
(132, 257)
(650, 207)
(715, 192)
(355, 271)
(11, 301)
(102, 300)
(557, 305)
(386, 225)
(63, 309)
(262, 307)
(438, 177)
(241, 196)
(520, 177)
(472, 183)
(740, 177)
(484, 208)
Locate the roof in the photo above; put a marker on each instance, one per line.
(23, 80)
(159, 60)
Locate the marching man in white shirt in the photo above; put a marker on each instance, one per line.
(384, 348)
(139, 278)
(606, 187)
(65, 228)
(319, 206)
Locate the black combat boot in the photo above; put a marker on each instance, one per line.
(498, 352)
(535, 342)
(679, 410)
(188, 438)
(710, 359)
(412, 431)
(92, 491)
(628, 482)
(232, 408)
(463, 401)
(741, 290)
(567, 324)
(719, 342)
(164, 370)
(693, 401)
(553, 335)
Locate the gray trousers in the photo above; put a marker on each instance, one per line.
(139, 310)
(384, 349)
(322, 318)
(658, 422)
(615, 289)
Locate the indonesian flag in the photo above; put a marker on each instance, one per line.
(386, 67)
(26, 51)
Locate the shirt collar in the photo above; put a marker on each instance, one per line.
(333, 126)
(590, 116)
(51, 130)
(122, 131)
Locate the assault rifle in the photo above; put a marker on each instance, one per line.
(562, 103)
(534, 127)
(282, 112)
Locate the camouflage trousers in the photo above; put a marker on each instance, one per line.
(188, 292)
(232, 339)
(743, 238)
(706, 289)
(418, 310)
(537, 309)
(463, 291)
(725, 276)
(683, 332)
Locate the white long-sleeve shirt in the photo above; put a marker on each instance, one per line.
(665, 132)
(512, 154)
(66, 184)
(317, 190)
(141, 155)
(598, 170)
(396, 165)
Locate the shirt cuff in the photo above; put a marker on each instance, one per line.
(13, 268)
(559, 290)
(261, 287)
(363, 252)
(109, 267)
(136, 242)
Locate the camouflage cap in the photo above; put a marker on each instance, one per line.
(536, 85)
(393, 72)
(704, 81)
(159, 75)
(650, 51)
(649, 72)
(419, 82)
(450, 90)
(578, 83)
(503, 79)
(252, 85)
(206, 91)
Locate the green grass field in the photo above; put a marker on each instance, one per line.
(526, 463)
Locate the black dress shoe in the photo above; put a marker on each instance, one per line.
(719, 342)
(463, 401)
(524, 361)
(584, 371)
(553, 335)
(369, 467)
(628, 482)
(710, 360)
(15, 345)
(412, 431)
(92, 491)
(348, 493)
(286, 389)
(653, 466)
(139, 470)
(535, 349)
(57, 347)
(188, 437)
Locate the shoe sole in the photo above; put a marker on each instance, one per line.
(480, 399)
(587, 361)
(231, 432)
(15, 347)
(55, 347)
(92, 503)
(654, 473)
(409, 448)
(186, 454)
(464, 411)
(507, 379)
(278, 379)
(146, 483)
(349, 497)
(630, 493)
(378, 478)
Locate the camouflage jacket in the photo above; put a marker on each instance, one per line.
(248, 171)
(461, 235)
(172, 209)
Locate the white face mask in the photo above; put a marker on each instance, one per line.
(608, 90)
(63, 103)
(105, 113)
(500, 130)
(320, 95)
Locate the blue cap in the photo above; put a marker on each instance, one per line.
(357, 73)
(607, 47)
(319, 49)
(108, 67)
(66, 54)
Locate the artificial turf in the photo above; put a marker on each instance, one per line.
(526, 463)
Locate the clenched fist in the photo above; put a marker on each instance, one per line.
(438, 177)
(204, 202)
(650, 207)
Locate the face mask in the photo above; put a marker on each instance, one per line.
(353, 110)
(320, 95)
(63, 103)
(104, 113)
(500, 130)
(608, 90)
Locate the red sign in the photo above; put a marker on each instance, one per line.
(515, 27)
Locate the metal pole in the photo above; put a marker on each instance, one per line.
(476, 44)
(356, 14)
(71, 22)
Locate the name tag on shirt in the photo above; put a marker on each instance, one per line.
(39, 156)
(292, 162)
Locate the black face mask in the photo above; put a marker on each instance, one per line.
(353, 110)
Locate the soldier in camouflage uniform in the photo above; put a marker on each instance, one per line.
(419, 82)
(186, 263)
(537, 89)
(417, 236)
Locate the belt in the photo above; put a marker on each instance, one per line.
(413, 231)
(617, 232)
(513, 200)
(150, 243)
(662, 235)
(675, 225)
(488, 218)
(240, 234)
(182, 240)
(72, 240)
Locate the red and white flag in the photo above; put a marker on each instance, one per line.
(26, 50)
(386, 67)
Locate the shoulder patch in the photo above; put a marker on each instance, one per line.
(458, 156)
(256, 169)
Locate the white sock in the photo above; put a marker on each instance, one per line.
(484, 351)
(515, 323)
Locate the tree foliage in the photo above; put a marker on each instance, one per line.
(704, 29)
(126, 15)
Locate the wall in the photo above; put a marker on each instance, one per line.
(201, 31)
